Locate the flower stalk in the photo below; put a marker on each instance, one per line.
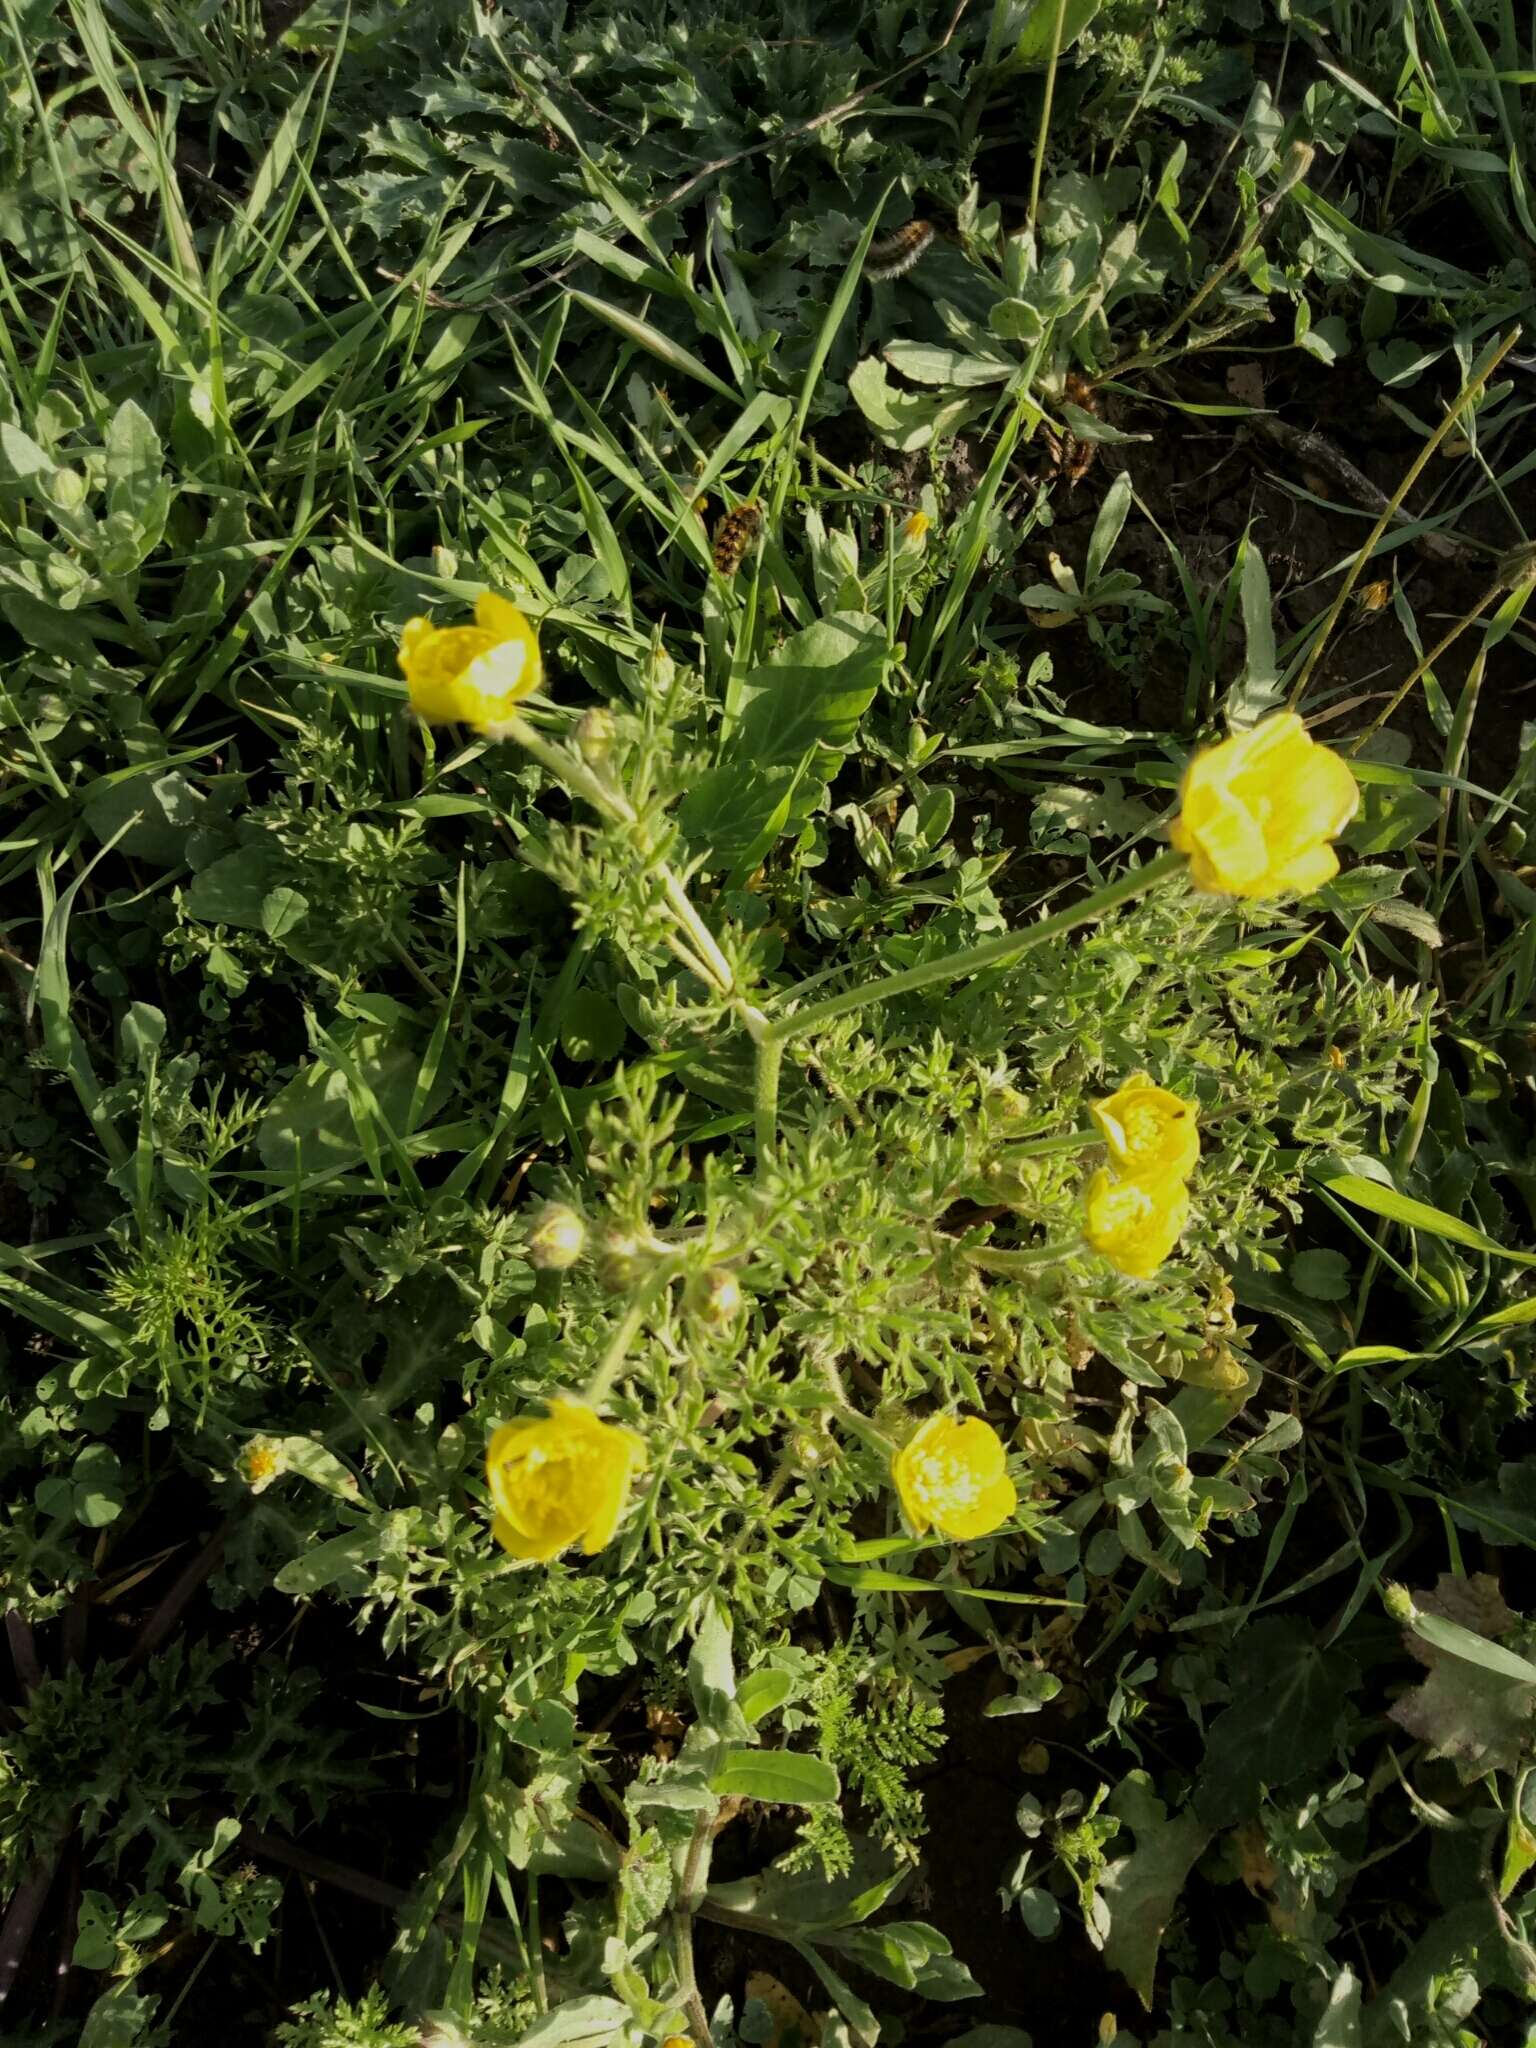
(1003, 949)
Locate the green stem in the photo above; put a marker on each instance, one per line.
(1045, 117)
(568, 767)
(994, 952)
(770, 1057)
(1016, 1265)
(1473, 390)
(1006, 947)
(596, 1389)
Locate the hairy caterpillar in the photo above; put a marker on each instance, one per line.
(734, 535)
(895, 255)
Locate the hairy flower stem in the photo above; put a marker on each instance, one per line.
(700, 952)
(995, 952)
(695, 1876)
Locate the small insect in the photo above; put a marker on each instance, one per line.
(734, 535)
(895, 255)
(1074, 457)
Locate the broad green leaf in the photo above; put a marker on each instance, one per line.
(134, 462)
(312, 1461)
(1322, 1276)
(1387, 1202)
(781, 1775)
(1470, 1648)
(762, 1692)
(1041, 31)
(1141, 1890)
(904, 420)
(338, 1558)
(812, 690)
(578, 2023)
(1339, 2026)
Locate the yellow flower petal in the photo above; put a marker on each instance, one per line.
(1137, 1221)
(1260, 808)
(474, 675)
(560, 1479)
(1149, 1129)
(952, 1475)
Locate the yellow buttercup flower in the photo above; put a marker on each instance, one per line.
(559, 1479)
(1149, 1129)
(477, 674)
(1135, 1222)
(1259, 810)
(953, 1476)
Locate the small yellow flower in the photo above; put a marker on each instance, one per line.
(953, 1476)
(916, 527)
(1148, 1129)
(475, 674)
(1135, 1222)
(559, 1479)
(1259, 809)
(678, 2041)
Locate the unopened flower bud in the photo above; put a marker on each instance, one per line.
(596, 731)
(717, 1296)
(445, 563)
(915, 528)
(618, 1263)
(557, 1239)
(1006, 1105)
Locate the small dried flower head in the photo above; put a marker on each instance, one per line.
(557, 1239)
(953, 1476)
(261, 1462)
(475, 674)
(717, 1296)
(559, 1479)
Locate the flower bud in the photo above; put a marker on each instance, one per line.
(618, 1265)
(596, 731)
(916, 527)
(1006, 1106)
(557, 1239)
(716, 1297)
